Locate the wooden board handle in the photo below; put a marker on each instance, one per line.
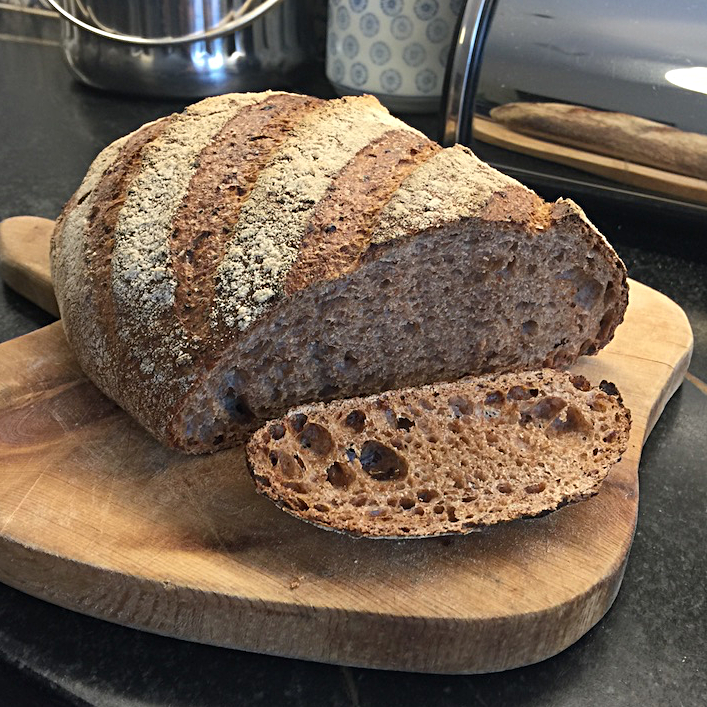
(24, 259)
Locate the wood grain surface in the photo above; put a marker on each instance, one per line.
(97, 517)
(24, 259)
(582, 157)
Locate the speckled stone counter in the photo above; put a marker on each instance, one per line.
(650, 649)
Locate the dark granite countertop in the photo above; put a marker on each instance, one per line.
(650, 649)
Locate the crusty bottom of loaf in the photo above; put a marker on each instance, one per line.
(446, 304)
(443, 459)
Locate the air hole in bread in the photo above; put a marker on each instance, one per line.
(573, 421)
(496, 398)
(609, 294)
(356, 420)
(237, 409)
(460, 406)
(426, 495)
(529, 328)
(404, 423)
(296, 486)
(509, 269)
(381, 462)
(609, 388)
(288, 466)
(349, 360)
(597, 405)
(605, 325)
(316, 438)
(520, 392)
(588, 294)
(407, 503)
(277, 430)
(297, 422)
(547, 408)
(491, 437)
(505, 487)
(535, 488)
(580, 382)
(339, 476)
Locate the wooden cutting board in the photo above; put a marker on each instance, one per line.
(97, 517)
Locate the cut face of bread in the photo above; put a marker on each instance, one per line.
(444, 458)
(467, 299)
(259, 251)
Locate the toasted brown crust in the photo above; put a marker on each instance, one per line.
(340, 229)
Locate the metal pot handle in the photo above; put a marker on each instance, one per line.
(231, 25)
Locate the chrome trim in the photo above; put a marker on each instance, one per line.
(463, 69)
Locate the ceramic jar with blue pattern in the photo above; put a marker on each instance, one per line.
(395, 49)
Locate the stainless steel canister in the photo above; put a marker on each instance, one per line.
(185, 48)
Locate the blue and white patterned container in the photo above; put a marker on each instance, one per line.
(394, 49)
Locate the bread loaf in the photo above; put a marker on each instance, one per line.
(620, 135)
(218, 266)
(444, 458)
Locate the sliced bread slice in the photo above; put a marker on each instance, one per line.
(443, 458)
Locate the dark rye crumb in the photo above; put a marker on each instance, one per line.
(446, 458)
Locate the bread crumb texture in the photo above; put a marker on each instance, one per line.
(441, 459)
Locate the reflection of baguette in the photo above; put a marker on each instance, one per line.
(614, 134)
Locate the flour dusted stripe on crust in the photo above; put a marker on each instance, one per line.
(340, 228)
(273, 220)
(141, 278)
(69, 253)
(453, 184)
(98, 211)
(228, 169)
